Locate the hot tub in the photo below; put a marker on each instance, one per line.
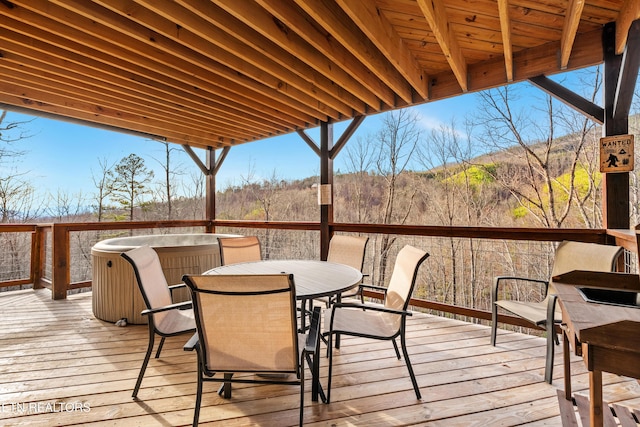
(114, 288)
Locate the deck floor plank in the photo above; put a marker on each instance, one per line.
(56, 357)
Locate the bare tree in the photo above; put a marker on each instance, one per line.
(102, 180)
(264, 193)
(17, 196)
(194, 193)
(394, 144)
(64, 206)
(360, 158)
(168, 183)
(528, 154)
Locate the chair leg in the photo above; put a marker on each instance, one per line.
(160, 347)
(302, 391)
(147, 356)
(552, 338)
(494, 323)
(330, 353)
(395, 347)
(548, 369)
(403, 343)
(196, 410)
(227, 386)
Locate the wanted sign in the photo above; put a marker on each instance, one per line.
(616, 154)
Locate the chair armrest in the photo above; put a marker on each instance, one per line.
(176, 286)
(179, 306)
(192, 343)
(374, 287)
(371, 308)
(498, 279)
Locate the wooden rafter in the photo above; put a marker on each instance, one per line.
(630, 12)
(505, 28)
(275, 40)
(387, 40)
(570, 98)
(569, 30)
(222, 73)
(289, 19)
(628, 77)
(330, 15)
(435, 13)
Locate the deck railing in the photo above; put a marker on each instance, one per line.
(51, 260)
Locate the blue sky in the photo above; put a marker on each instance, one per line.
(61, 156)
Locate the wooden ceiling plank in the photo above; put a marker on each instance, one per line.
(197, 33)
(282, 46)
(112, 76)
(505, 27)
(91, 48)
(71, 108)
(158, 47)
(127, 85)
(436, 15)
(104, 96)
(299, 25)
(100, 107)
(384, 36)
(587, 51)
(630, 12)
(330, 16)
(569, 30)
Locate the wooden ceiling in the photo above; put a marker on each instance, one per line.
(219, 73)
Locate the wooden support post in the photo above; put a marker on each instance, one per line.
(326, 178)
(615, 186)
(37, 257)
(61, 254)
(210, 189)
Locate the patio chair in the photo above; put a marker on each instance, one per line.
(165, 318)
(348, 250)
(381, 322)
(230, 345)
(239, 249)
(545, 314)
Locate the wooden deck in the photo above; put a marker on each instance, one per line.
(61, 366)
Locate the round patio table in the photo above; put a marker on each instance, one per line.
(313, 279)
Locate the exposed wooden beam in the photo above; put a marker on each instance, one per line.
(346, 135)
(93, 51)
(630, 12)
(309, 141)
(61, 118)
(330, 15)
(199, 163)
(277, 39)
(167, 38)
(628, 73)
(387, 40)
(296, 24)
(505, 28)
(570, 98)
(435, 13)
(216, 27)
(569, 30)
